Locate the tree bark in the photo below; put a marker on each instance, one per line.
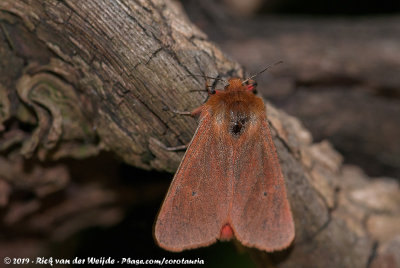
(81, 77)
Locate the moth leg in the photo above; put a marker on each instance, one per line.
(166, 148)
(211, 89)
(165, 108)
(176, 148)
(193, 113)
(196, 111)
(181, 112)
(172, 148)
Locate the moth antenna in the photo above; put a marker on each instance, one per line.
(260, 72)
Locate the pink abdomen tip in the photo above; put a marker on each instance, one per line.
(226, 232)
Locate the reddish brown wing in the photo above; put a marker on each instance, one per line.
(196, 205)
(260, 213)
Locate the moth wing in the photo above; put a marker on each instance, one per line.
(196, 205)
(261, 215)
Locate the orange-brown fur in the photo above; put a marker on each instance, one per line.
(233, 93)
(229, 182)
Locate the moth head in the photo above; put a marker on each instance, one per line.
(236, 84)
(251, 85)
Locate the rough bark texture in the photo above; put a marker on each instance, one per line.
(81, 77)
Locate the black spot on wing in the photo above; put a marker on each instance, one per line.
(237, 124)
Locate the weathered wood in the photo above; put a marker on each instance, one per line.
(127, 61)
(80, 77)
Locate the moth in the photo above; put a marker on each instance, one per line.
(229, 183)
